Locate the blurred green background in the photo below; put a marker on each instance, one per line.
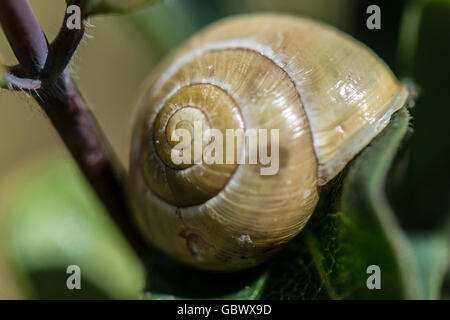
(120, 52)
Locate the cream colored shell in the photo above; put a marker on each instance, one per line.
(328, 95)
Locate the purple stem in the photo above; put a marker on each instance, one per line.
(25, 36)
(66, 43)
(77, 127)
(60, 99)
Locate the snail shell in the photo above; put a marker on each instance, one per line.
(328, 95)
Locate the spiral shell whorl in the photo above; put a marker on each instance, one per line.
(195, 182)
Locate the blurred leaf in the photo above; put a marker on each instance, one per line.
(409, 32)
(166, 24)
(54, 220)
(352, 228)
(422, 200)
(445, 295)
(433, 255)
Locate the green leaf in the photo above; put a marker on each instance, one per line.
(433, 255)
(352, 228)
(54, 220)
(422, 197)
(409, 34)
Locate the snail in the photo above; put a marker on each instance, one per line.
(326, 93)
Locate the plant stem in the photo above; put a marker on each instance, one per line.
(62, 102)
(80, 132)
(25, 35)
(66, 43)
